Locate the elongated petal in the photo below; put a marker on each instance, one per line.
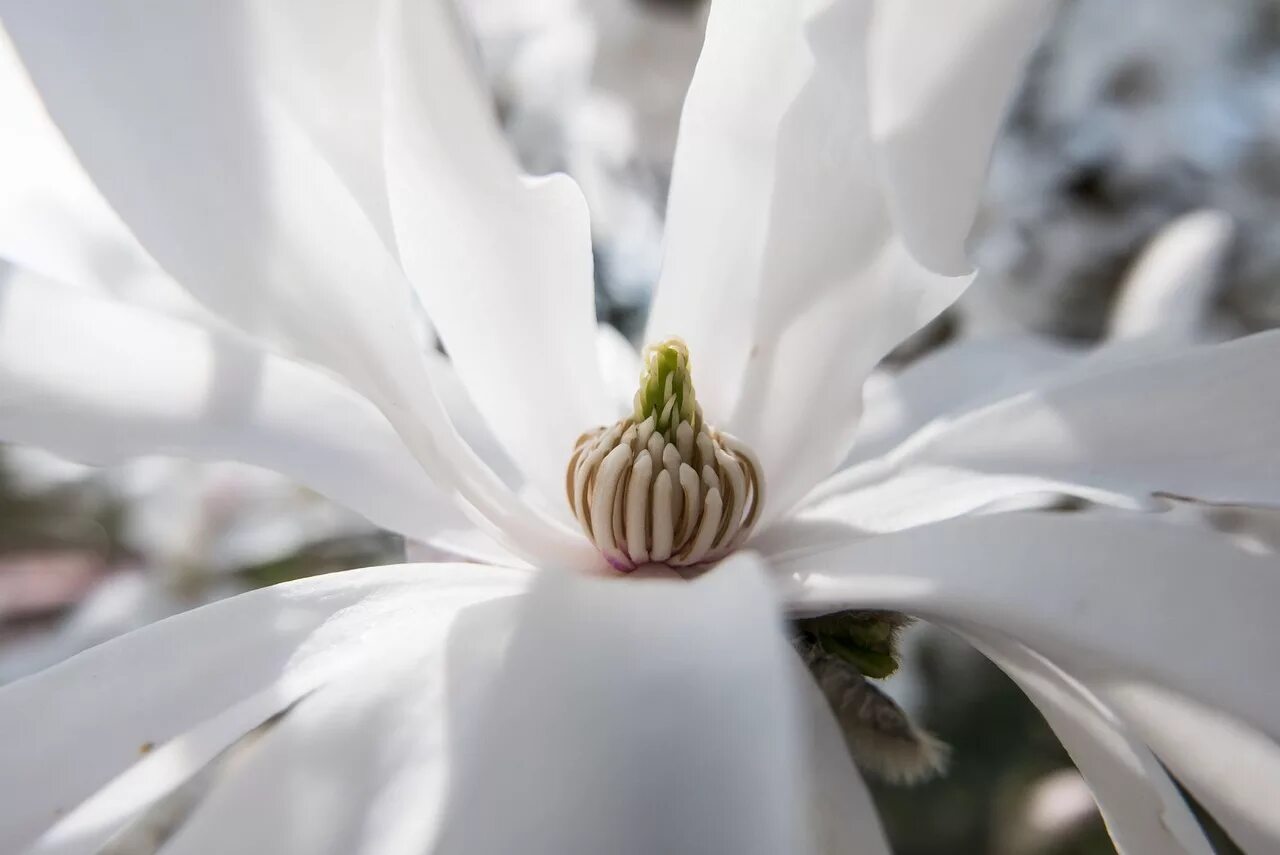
(1193, 423)
(237, 662)
(364, 765)
(941, 76)
(503, 262)
(620, 366)
(1163, 301)
(52, 219)
(1103, 598)
(638, 717)
(230, 194)
(800, 412)
(952, 379)
(319, 61)
(844, 818)
(927, 494)
(99, 381)
(223, 189)
(1231, 769)
(781, 271)
(1143, 810)
(754, 67)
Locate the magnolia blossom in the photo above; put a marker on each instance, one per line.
(321, 182)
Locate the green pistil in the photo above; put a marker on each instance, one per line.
(666, 389)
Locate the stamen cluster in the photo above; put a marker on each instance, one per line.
(662, 486)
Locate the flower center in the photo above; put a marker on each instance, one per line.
(662, 485)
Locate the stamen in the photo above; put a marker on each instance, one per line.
(664, 486)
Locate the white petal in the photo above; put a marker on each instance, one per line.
(735, 145)
(1169, 290)
(503, 262)
(638, 717)
(781, 271)
(801, 404)
(941, 75)
(236, 663)
(230, 194)
(364, 765)
(956, 377)
(1162, 304)
(1231, 769)
(844, 818)
(620, 365)
(926, 494)
(99, 381)
(52, 219)
(1143, 810)
(320, 66)
(221, 187)
(319, 61)
(1194, 423)
(1112, 599)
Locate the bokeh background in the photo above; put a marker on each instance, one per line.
(1131, 115)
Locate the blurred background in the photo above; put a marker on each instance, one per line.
(1119, 130)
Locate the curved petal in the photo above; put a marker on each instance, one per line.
(99, 381)
(319, 60)
(1168, 291)
(620, 366)
(1196, 423)
(1142, 808)
(941, 76)
(321, 66)
(921, 495)
(1162, 303)
(164, 110)
(386, 745)
(746, 100)
(953, 378)
(637, 717)
(1112, 599)
(1231, 769)
(843, 816)
(502, 262)
(230, 194)
(84, 766)
(364, 765)
(801, 406)
(52, 219)
(781, 271)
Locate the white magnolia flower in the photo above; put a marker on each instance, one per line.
(296, 171)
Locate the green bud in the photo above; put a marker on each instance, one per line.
(865, 639)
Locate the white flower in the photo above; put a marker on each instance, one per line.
(295, 171)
